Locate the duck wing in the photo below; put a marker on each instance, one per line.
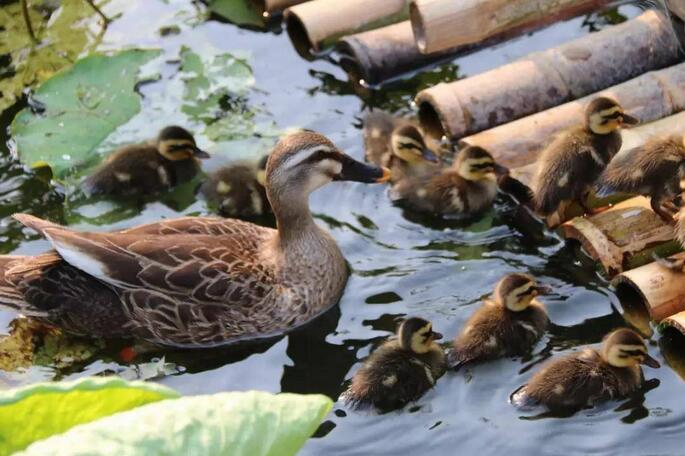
(177, 289)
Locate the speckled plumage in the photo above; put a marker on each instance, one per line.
(194, 281)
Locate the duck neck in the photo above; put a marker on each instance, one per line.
(293, 218)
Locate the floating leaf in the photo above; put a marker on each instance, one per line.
(64, 35)
(239, 12)
(38, 411)
(237, 424)
(83, 105)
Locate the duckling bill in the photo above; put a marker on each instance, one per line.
(590, 376)
(399, 371)
(144, 169)
(570, 165)
(506, 326)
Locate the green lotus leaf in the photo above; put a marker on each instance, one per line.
(78, 108)
(237, 424)
(41, 410)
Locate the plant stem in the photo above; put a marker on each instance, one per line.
(27, 20)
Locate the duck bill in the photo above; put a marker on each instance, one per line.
(199, 153)
(651, 362)
(543, 289)
(353, 170)
(629, 120)
(428, 155)
(436, 335)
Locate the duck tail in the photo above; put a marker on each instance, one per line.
(9, 295)
(455, 361)
(14, 270)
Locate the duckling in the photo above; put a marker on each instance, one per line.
(238, 190)
(390, 140)
(148, 168)
(589, 376)
(653, 169)
(571, 164)
(467, 187)
(508, 325)
(399, 371)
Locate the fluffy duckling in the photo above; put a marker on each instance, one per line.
(397, 144)
(571, 164)
(506, 326)
(589, 376)
(399, 371)
(148, 168)
(467, 187)
(654, 169)
(238, 191)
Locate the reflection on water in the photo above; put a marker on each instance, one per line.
(402, 264)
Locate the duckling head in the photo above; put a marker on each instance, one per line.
(625, 348)
(304, 161)
(261, 170)
(604, 115)
(516, 291)
(409, 146)
(475, 163)
(176, 143)
(417, 335)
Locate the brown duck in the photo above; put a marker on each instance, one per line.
(570, 165)
(144, 169)
(399, 371)
(506, 326)
(590, 376)
(654, 169)
(196, 281)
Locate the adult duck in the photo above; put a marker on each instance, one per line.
(196, 281)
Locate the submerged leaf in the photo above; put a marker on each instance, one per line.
(237, 424)
(41, 410)
(239, 12)
(83, 105)
(64, 35)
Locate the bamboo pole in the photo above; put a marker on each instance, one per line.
(662, 290)
(443, 24)
(648, 97)
(624, 236)
(316, 24)
(546, 79)
(270, 7)
(374, 56)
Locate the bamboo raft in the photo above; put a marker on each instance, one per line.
(515, 110)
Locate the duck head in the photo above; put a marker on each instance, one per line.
(304, 161)
(625, 348)
(516, 291)
(176, 143)
(409, 146)
(604, 115)
(475, 163)
(417, 335)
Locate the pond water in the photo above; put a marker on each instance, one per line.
(402, 264)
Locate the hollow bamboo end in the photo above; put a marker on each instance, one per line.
(676, 321)
(418, 27)
(352, 61)
(430, 119)
(299, 35)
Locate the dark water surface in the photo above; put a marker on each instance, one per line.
(402, 264)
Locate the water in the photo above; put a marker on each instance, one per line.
(403, 264)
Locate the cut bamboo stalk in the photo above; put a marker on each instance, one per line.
(648, 97)
(677, 321)
(316, 24)
(270, 7)
(661, 289)
(546, 79)
(624, 236)
(375, 56)
(443, 24)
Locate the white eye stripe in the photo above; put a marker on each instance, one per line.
(304, 154)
